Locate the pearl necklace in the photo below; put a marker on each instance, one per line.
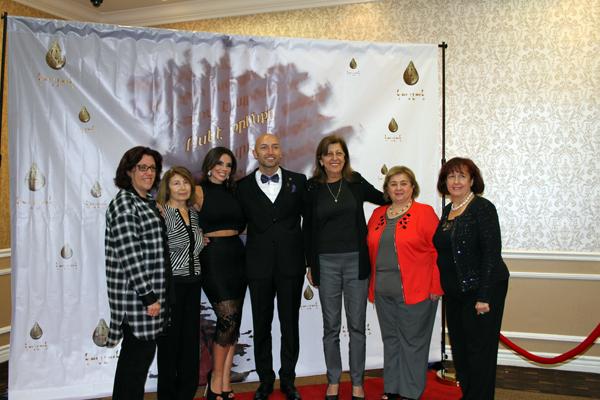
(461, 205)
(404, 209)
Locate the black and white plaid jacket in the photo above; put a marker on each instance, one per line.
(135, 265)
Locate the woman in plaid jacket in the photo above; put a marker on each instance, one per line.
(136, 270)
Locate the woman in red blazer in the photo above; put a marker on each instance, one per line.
(405, 283)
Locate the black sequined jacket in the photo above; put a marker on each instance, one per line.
(477, 247)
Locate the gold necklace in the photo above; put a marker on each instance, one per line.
(399, 212)
(337, 195)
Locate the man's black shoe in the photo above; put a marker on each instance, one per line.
(290, 392)
(263, 391)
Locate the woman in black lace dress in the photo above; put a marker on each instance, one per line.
(473, 276)
(222, 261)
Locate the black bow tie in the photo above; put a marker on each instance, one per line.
(265, 179)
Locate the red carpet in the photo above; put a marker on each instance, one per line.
(373, 388)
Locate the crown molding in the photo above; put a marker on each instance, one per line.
(190, 10)
(67, 9)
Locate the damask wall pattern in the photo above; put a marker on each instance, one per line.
(522, 98)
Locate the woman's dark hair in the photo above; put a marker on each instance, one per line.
(164, 193)
(130, 160)
(397, 170)
(322, 148)
(458, 164)
(212, 158)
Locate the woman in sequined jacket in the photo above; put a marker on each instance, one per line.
(473, 275)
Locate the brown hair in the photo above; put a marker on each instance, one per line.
(458, 164)
(164, 193)
(397, 170)
(130, 160)
(322, 148)
(212, 158)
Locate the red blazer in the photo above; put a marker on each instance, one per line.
(417, 256)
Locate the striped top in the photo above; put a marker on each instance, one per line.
(185, 242)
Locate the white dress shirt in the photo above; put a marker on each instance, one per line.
(270, 188)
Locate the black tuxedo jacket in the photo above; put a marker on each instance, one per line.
(274, 243)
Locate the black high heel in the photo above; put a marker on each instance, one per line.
(208, 393)
(226, 395)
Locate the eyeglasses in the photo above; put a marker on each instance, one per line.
(146, 168)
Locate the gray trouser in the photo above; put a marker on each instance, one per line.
(339, 275)
(406, 333)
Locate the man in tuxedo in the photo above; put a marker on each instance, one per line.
(272, 200)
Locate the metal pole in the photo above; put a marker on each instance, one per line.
(5, 19)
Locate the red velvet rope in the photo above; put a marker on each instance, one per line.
(580, 348)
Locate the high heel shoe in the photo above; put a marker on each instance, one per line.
(228, 394)
(208, 393)
(332, 396)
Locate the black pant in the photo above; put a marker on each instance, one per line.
(262, 294)
(179, 350)
(474, 340)
(132, 368)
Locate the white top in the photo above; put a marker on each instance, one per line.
(271, 189)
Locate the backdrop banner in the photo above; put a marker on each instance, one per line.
(81, 94)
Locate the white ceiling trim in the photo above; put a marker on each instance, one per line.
(67, 9)
(176, 12)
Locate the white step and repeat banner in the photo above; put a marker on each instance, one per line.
(81, 94)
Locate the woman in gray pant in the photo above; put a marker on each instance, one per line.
(337, 254)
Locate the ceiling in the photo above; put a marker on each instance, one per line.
(156, 12)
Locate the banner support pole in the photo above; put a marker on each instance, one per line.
(445, 375)
(4, 31)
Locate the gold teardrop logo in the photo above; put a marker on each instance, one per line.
(384, 169)
(353, 64)
(100, 334)
(54, 56)
(411, 76)
(36, 331)
(393, 125)
(96, 190)
(84, 115)
(66, 252)
(35, 179)
(308, 293)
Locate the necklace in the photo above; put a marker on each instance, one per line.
(394, 213)
(337, 195)
(461, 205)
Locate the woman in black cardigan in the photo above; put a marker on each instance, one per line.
(337, 255)
(473, 275)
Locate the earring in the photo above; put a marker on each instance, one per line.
(209, 173)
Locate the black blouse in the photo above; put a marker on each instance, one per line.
(220, 209)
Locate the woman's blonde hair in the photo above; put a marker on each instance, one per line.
(401, 169)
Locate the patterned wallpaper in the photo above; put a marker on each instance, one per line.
(522, 98)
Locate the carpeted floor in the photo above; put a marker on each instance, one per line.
(512, 383)
(373, 390)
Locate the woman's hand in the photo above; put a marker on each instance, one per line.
(434, 297)
(153, 309)
(482, 307)
(309, 277)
